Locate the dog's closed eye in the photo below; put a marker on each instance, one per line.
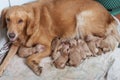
(20, 21)
(7, 19)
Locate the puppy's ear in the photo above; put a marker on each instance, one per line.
(3, 14)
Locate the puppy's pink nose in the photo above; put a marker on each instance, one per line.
(11, 35)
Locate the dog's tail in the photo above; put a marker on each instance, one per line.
(114, 29)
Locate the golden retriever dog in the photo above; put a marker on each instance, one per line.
(40, 22)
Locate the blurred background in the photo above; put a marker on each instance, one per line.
(5, 3)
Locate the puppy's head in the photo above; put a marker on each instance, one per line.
(15, 19)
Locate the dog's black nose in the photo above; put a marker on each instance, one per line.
(11, 35)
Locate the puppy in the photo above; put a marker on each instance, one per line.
(94, 43)
(55, 47)
(69, 52)
(76, 55)
(60, 52)
(61, 61)
(40, 22)
(25, 52)
(108, 44)
(99, 45)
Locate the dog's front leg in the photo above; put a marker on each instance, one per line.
(30, 41)
(9, 56)
(34, 60)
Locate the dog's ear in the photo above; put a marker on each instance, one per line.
(29, 22)
(34, 16)
(32, 20)
(3, 14)
(46, 20)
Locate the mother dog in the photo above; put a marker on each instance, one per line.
(40, 22)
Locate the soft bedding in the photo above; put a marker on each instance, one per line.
(104, 67)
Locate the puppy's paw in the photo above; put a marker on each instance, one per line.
(60, 64)
(100, 52)
(105, 46)
(71, 63)
(61, 61)
(74, 61)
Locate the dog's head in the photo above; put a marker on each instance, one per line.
(17, 19)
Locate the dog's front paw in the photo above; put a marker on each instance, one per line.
(37, 70)
(34, 66)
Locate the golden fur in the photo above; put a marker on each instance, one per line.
(40, 22)
(69, 52)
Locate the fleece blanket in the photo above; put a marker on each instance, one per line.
(104, 67)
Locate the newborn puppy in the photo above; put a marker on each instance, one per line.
(84, 49)
(94, 44)
(69, 51)
(78, 53)
(55, 46)
(60, 51)
(108, 44)
(25, 52)
(61, 61)
(99, 45)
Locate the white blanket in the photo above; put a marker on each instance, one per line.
(104, 67)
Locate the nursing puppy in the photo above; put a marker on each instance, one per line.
(69, 52)
(40, 22)
(25, 52)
